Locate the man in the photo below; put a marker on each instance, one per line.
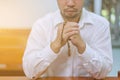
(70, 42)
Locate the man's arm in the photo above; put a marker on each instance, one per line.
(38, 54)
(97, 59)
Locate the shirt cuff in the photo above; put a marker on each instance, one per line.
(48, 54)
(87, 55)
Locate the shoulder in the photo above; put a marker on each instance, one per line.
(45, 23)
(97, 19)
(98, 23)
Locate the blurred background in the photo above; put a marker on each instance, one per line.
(18, 16)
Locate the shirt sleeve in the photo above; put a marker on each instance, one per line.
(38, 54)
(97, 58)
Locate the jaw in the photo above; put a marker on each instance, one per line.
(71, 16)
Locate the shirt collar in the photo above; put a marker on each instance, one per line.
(85, 18)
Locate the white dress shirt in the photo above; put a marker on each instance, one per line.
(40, 61)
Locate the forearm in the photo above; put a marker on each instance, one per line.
(81, 47)
(37, 62)
(96, 62)
(55, 46)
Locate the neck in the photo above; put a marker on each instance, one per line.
(72, 19)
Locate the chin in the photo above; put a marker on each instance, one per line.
(70, 16)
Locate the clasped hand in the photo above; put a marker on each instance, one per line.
(70, 31)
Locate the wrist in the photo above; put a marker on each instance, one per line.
(55, 46)
(81, 48)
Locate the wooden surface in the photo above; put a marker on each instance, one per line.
(56, 78)
(11, 73)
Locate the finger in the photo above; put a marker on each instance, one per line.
(68, 35)
(71, 24)
(59, 31)
(73, 37)
(70, 30)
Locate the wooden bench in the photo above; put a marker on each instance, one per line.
(12, 46)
